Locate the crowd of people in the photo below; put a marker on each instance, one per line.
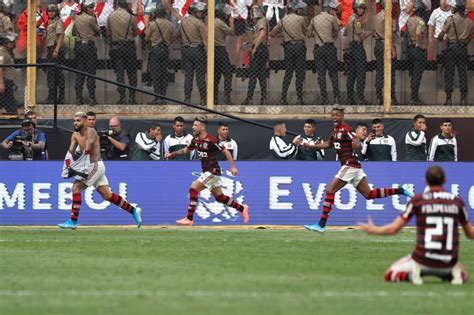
(430, 29)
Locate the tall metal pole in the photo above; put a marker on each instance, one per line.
(388, 43)
(30, 101)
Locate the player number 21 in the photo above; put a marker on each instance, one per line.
(437, 230)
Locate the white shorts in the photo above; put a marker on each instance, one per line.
(96, 176)
(210, 180)
(351, 175)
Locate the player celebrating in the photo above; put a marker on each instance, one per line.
(88, 170)
(345, 141)
(438, 215)
(207, 147)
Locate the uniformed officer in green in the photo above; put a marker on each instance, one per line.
(85, 30)
(293, 30)
(357, 62)
(54, 54)
(258, 56)
(417, 44)
(5, 21)
(224, 26)
(458, 28)
(193, 32)
(378, 32)
(7, 74)
(160, 34)
(121, 28)
(324, 27)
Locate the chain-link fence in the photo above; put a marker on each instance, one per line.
(272, 53)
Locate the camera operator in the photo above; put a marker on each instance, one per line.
(31, 115)
(27, 143)
(114, 142)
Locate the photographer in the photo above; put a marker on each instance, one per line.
(27, 143)
(148, 144)
(114, 142)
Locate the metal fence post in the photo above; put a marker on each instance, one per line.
(388, 44)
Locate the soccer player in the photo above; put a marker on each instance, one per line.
(207, 147)
(345, 141)
(88, 170)
(438, 215)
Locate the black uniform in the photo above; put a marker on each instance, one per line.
(222, 64)
(357, 61)
(416, 55)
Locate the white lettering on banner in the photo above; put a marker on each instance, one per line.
(314, 202)
(39, 195)
(64, 196)
(352, 198)
(89, 198)
(275, 193)
(17, 197)
(396, 198)
(470, 197)
(370, 202)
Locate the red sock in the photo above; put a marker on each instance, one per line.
(193, 201)
(385, 192)
(230, 202)
(327, 207)
(121, 202)
(76, 206)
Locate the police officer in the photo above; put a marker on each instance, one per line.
(258, 56)
(378, 32)
(160, 34)
(193, 34)
(458, 29)
(417, 44)
(224, 26)
(293, 27)
(7, 74)
(324, 28)
(122, 29)
(85, 29)
(5, 21)
(357, 61)
(54, 53)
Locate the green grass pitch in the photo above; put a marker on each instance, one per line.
(215, 271)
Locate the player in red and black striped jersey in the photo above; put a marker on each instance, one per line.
(438, 215)
(346, 142)
(207, 147)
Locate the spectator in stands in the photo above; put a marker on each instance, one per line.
(54, 52)
(274, 11)
(68, 11)
(418, 42)
(160, 34)
(178, 140)
(91, 119)
(5, 21)
(435, 25)
(444, 146)
(293, 30)
(346, 11)
(415, 140)
(119, 140)
(27, 143)
(226, 141)
(224, 26)
(279, 148)
(148, 144)
(309, 137)
(7, 74)
(258, 56)
(41, 24)
(379, 146)
(406, 8)
(193, 32)
(85, 29)
(123, 52)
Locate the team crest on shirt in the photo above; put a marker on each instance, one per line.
(204, 145)
(339, 135)
(210, 210)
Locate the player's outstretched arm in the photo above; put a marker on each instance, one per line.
(183, 151)
(229, 158)
(318, 145)
(389, 229)
(468, 230)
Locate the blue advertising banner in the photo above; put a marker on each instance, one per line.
(279, 192)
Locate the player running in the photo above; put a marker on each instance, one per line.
(207, 148)
(438, 215)
(88, 170)
(346, 141)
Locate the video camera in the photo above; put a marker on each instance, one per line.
(18, 151)
(106, 146)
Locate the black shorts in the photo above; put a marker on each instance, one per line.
(240, 26)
